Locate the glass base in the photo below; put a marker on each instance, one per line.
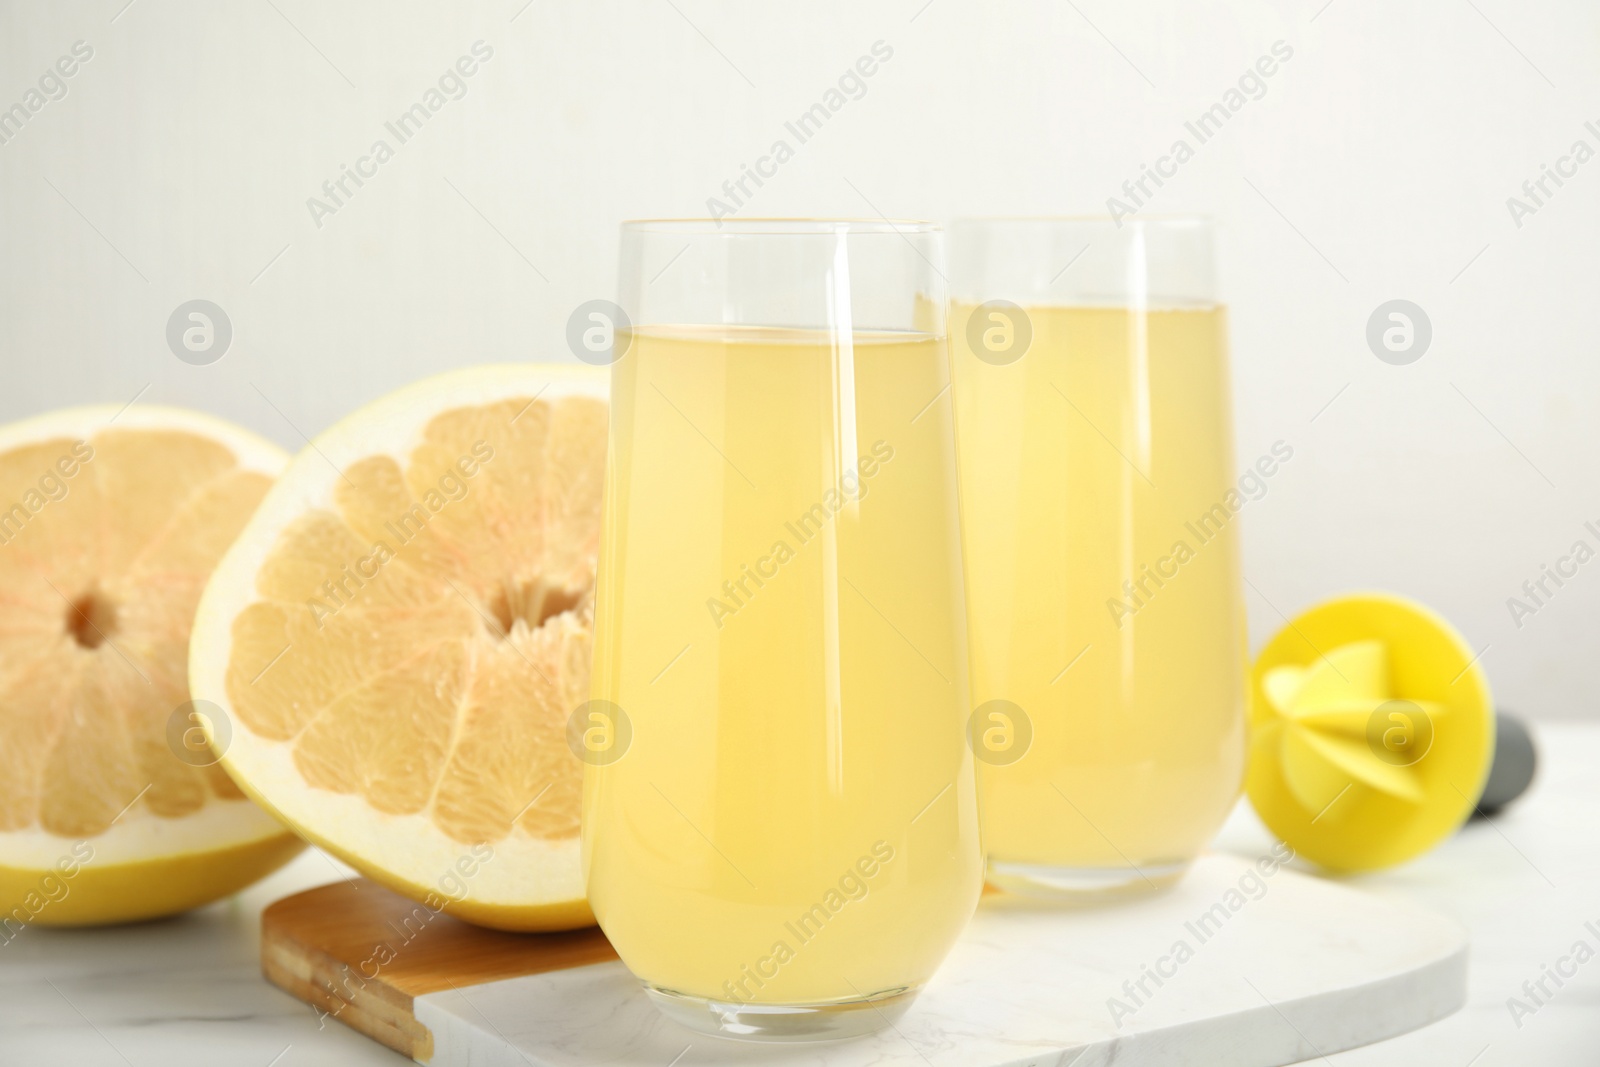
(831, 1021)
(1085, 884)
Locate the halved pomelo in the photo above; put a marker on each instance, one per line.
(402, 631)
(110, 524)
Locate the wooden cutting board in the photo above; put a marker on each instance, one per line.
(363, 954)
(1273, 971)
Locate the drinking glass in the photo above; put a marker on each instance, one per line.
(1100, 513)
(780, 824)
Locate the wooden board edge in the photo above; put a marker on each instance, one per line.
(366, 1005)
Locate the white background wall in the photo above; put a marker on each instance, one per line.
(1377, 165)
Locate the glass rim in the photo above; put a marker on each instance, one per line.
(1173, 220)
(778, 226)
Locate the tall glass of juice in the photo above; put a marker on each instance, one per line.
(1099, 507)
(780, 821)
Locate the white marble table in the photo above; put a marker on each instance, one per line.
(188, 991)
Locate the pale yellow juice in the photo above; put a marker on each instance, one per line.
(1105, 584)
(780, 616)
